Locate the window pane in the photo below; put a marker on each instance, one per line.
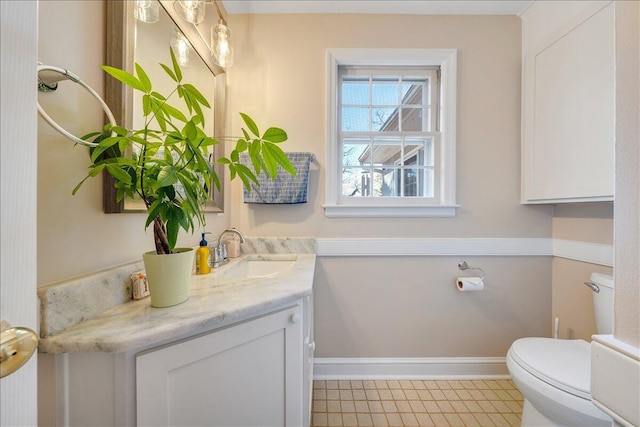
(418, 151)
(356, 182)
(418, 182)
(355, 151)
(428, 190)
(387, 151)
(384, 119)
(413, 92)
(355, 91)
(384, 182)
(385, 91)
(415, 120)
(355, 119)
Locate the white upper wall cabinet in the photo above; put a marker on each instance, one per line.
(568, 102)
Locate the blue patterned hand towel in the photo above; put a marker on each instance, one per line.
(286, 188)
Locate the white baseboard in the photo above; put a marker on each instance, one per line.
(425, 368)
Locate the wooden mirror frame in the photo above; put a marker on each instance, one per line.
(119, 98)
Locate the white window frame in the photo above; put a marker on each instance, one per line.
(444, 205)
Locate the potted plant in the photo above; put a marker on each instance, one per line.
(165, 163)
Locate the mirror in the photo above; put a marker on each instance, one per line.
(132, 41)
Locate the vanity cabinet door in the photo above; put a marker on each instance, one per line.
(250, 374)
(568, 105)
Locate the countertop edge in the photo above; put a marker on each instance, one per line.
(119, 330)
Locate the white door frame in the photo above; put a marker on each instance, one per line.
(18, 193)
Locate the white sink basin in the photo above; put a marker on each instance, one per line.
(260, 267)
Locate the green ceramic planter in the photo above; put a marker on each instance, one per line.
(169, 276)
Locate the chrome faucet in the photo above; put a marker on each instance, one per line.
(220, 251)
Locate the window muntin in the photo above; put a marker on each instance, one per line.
(388, 132)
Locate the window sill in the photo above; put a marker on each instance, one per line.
(386, 211)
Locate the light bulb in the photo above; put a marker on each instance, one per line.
(147, 11)
(222, 50)
(181, 47)
(192, 10)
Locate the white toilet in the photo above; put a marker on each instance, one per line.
(554, 376)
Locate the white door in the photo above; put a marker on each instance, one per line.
(18, 173)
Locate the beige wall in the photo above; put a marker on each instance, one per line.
(410, 307)
(402, 306)
(572, 302)
(279, 78)
(585, 222)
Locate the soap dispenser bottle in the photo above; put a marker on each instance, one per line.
(202, 257)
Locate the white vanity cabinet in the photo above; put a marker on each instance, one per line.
(568, 102)
(250, 374)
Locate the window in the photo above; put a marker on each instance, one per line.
(391, 133)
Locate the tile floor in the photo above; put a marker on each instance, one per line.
(416, 403)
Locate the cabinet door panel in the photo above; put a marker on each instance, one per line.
(244, 375)
(569, 114)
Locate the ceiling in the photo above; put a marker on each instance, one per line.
(411, 7)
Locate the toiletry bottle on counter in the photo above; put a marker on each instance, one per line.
(233, 246)
(202, 257)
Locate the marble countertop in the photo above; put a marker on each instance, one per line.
(215, 300)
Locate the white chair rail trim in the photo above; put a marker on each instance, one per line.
(571, 249)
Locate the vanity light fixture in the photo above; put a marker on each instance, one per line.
(220, 40)
(147, 11)
(181, 47)
(190, 10)
(194, 11)
(222, 51)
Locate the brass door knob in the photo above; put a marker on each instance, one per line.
(17, 345)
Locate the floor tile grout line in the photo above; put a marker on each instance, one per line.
(505, 410)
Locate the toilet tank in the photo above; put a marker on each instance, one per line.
(603, 302)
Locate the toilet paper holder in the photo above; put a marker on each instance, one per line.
(462, 265)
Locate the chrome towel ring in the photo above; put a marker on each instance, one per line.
(48, 78)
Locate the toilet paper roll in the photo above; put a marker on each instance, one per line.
(470, 284)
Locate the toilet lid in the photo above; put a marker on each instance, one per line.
(565, 364)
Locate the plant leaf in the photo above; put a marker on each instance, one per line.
(216, 180)
(241, 145)
(143, 77)
(91, 174)
(104, 145)
(118, 173)
(190, 130)
(275, 135)
(279, 156)
(154, 211)
(174, 112)
(124, 77)
(195, 93)
(250, 124)
(235, 157)
(176, 66)
(173, 227)
(167, 176)
(169, 72)
(270, 163)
